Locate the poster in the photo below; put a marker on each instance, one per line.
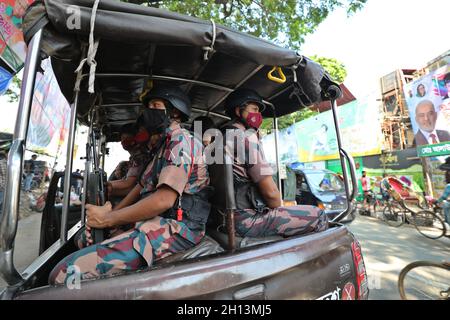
(360, 131)
(428, 100)
(12, 46)
(5, 80)
(287, 146)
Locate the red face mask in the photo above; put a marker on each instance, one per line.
(128, 143)
(142, 137)
(254, 119)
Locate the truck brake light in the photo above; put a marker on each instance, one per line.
(361, 275)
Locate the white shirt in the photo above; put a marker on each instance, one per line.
(428, 134)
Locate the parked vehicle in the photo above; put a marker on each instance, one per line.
(209, 62)
(321, 188)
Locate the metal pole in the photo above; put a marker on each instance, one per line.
(68, 171)
(10, 219)
(275, 128)
(339, 142)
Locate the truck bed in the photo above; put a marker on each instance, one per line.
(314, 266)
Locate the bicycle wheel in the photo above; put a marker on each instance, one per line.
(428, 224)
(394, 215)
(424, 280)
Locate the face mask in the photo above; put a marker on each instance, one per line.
(128, 143)
(155, 120)
(142, 137)
(254, 119)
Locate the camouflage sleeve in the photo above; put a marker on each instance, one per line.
(178, 163)
(258, 167)
(134, 170)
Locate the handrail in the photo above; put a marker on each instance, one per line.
(281, 79)
(10, 218)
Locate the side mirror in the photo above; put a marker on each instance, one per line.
(304, 186)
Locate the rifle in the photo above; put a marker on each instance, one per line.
(95, 178)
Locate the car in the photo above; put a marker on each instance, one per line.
(322, 188)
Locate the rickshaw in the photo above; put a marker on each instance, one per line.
(406, 205)
(103, 65)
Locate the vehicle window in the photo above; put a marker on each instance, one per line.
(302, 185)
(324, 181)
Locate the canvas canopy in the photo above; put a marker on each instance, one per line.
(138, 44)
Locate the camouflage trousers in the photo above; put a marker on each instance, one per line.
(284, 221)
(135, 249)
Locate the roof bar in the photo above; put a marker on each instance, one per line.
(251, 74)
(156, 77)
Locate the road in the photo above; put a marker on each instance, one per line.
(386, 250)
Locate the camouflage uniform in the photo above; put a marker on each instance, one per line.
(178, 164)
(283, 221)
(138, 160)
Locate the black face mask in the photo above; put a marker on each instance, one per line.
(155, 121)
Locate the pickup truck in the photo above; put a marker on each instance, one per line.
(209, 62)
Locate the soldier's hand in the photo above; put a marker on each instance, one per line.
(97, 216)
(88, 234)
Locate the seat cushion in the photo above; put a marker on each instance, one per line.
(222, 238)
(206, 247)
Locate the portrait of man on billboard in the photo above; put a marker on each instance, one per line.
(426, 117)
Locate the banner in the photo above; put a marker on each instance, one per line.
(397, 163)
(428, 100)
(12, 46)
(360, 132)
(287, 146)
(5, 80)
(50, 114)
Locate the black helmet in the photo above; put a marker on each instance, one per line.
(240, 97)
(172, 94)
(445, 166)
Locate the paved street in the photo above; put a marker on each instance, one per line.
(387, 250)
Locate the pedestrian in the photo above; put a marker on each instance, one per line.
(365, 182)
(30, 166)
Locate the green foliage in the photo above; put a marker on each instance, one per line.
(335, 68)
(288, 120)
(14, 89)
(286, 22)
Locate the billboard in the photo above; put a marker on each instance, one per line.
(12, 46)
(428, 101)
(360, 131)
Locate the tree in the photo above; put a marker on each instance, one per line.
(14, 89)
(335, 68)
(285, 22)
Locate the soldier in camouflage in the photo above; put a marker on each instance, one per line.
(259, 211)
(139, 156)
(168, 206)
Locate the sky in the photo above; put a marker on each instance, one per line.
(384, 36)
